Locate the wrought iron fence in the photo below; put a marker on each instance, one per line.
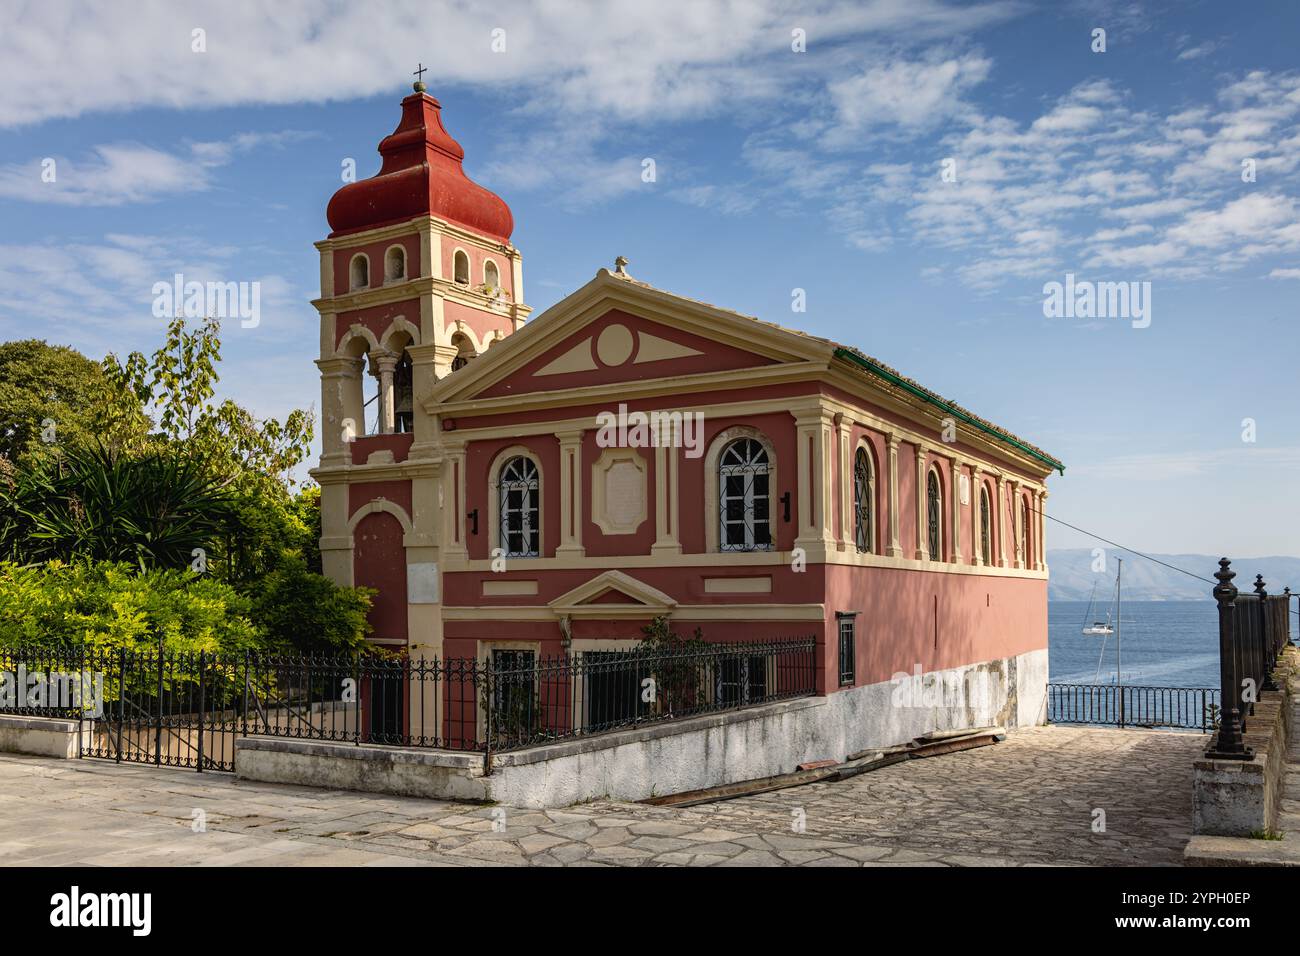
(1253, 629)
(1182, 708)
(187, 709)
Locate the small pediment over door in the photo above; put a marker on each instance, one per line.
(613, 594)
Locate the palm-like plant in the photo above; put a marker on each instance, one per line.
(151, 510)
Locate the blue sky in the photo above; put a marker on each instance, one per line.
(775, 170)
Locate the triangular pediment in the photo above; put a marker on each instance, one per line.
(613, 593)
(614, 331)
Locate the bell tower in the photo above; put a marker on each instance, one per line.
(418, 277)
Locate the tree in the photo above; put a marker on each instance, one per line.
(168, 402)
(175, 388)
(42, 383)
(151, 510)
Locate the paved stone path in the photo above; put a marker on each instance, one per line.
(1029, 800)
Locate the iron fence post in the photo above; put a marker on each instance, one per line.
(202, 701)
(157, 733)
(121, 698)
(487, 720)
(81, 704)
(1227, 744)
(1286, 592)
(1267, 652)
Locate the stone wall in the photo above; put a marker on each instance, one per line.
(1243, 797)
(43, 736)
(661, 759)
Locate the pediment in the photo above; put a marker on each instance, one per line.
(613, 593)
(615, 331)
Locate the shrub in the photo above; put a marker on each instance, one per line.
(105, 606)
(301, 610)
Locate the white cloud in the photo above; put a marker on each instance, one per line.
(1198, 51)
(111, 175)
(909, 93)
(119, 173)
(624, 60)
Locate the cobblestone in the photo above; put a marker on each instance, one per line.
(1031, 800)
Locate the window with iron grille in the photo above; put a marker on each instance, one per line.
(744, 505)
(740, 680)
(863, 534)
(935, 518)
(514, 693)
(613, 694)
(519, 508)
(986, 540)
(848, 649)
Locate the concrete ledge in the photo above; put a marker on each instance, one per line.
(405, 771)
(1235, 798)
(43, 736)
(575, 746)
(659, 759)
(1238, 851)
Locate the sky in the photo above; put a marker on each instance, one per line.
(923, 170)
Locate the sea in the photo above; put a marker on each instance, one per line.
(1164, 644)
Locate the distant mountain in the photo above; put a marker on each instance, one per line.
(1072, 576)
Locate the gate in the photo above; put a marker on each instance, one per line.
(169, 710)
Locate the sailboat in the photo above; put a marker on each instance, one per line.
(1098, 628)
(1119, 679)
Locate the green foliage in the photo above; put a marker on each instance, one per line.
(680, 675)
(174, 390)
(149, 466)
(299, 609)
(40, 382)
(152, 511)
(106, 606)
(659, 637)
(109, 606)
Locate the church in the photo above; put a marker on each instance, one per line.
(516, 487)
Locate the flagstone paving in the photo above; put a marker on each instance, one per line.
(1031, 800)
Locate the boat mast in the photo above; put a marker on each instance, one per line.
(1119, 668)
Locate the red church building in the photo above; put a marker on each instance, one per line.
(512, 484)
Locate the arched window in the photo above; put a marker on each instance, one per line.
(491, 277)
(1024, 533)
(743, 500)
(934, 517)
(986, 537)
(360, 273)
(520, 522)
(460, 268)
(395, 264)
(863, 532)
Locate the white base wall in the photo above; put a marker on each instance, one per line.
(43, 736)
(662, 759)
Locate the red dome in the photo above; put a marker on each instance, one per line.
(421, 175)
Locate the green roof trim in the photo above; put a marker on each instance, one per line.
(952, 408)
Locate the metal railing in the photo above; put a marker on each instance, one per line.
(1181, 708)
(187, 709)
(1253, 629)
